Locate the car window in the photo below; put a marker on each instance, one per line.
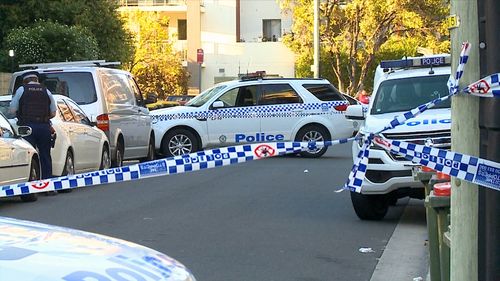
(278, 94)
(407, 93)
(136, 91)
(65, 111)
(241, 96)
(6, 130)
(80, 116)
(324, 92)
(205, 96)
(4, 108)
(117, 89)
(79, 86)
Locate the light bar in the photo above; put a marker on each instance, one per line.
(416, 62)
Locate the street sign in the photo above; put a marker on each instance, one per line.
(199, 56)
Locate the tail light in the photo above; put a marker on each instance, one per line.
(342, 107)
(103, 122)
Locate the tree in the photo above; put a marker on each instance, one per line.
(156, 66)
(100, 17)
(51, 42)
(356, 34)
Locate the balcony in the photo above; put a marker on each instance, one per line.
(136, 3)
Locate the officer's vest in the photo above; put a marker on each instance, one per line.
(34, 105)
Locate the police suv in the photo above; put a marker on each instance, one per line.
(254, 109)
(400, 86)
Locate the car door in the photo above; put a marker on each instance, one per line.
(14, 155)
(89, 149)
(238, 121)
(143, 127)
(283, 109)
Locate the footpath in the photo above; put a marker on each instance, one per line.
(406, 254)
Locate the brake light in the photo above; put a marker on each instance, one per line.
(342, 107)
(103, 122)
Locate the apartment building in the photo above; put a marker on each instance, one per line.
(231, 37)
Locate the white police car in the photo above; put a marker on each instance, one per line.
(252, 110)
(400, 86)
(32, 251)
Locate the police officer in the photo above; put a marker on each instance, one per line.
(34, 106)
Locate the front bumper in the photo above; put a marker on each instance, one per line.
(385, 174)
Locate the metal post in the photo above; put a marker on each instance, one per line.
(316, 39)
(11, 55)
(465, 139)
(199, 77)
(489, 127)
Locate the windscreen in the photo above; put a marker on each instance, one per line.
(79, 86)
(405, 94)
(202, 98)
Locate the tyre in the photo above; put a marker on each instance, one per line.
(69, 169)
(313, 133)
(151, 151)
(369, 207)
(105, 158)
(118, 160)
(179, 142)
(34, 175)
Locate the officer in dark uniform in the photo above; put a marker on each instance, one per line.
(34, 106)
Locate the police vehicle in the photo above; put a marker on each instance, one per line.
(254, 109)
(400, 86)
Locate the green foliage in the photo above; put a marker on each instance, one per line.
(99, 17)
(156, 66)
(355, 35)
(51, 42)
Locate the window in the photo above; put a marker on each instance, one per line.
(324, 92)
(117, 89)
(279, 94)
(65, 111)
(80, 116)
(242, 96)
(136, 91)
(6, 130)
(271, 29)
(182, 29)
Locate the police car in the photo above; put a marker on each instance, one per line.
(32, 251)
(400, 86)
(254, 109)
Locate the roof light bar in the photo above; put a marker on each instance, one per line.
(416, 62)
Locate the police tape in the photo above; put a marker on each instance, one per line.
(465, 167)
(173, 165)
(489, 86)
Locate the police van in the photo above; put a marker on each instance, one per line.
(254, 109)
(400, 86)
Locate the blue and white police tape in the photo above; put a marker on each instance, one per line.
(487, 87)
(465, 167)
(263, 111)
(464, 57)
(174, 165)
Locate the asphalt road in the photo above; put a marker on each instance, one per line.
(268, 220)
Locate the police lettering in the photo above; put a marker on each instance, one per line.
(427, 122)
(206, 158)
(438, 160)
(258, 137)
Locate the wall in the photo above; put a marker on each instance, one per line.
(4, 83)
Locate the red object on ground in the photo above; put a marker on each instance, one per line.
(442, 189)
(442, 176)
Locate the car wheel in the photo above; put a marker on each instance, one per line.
(34, 175)
(151, 151)
(369, 207)
(312, 133)
(179, 142)
(69, 169)
(118, 161)
(105, 159)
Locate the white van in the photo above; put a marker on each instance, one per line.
(400, 86)
(110, 98)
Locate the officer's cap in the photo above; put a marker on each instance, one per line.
(30, 74)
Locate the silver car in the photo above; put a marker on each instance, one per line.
(110, 97)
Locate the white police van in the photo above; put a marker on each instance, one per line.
(254, 109)
(400, 86)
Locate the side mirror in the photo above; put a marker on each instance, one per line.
(151, 98)
(218, 104)
(355, 112)
(24, 131)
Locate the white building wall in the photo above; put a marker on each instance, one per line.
(224, 57)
